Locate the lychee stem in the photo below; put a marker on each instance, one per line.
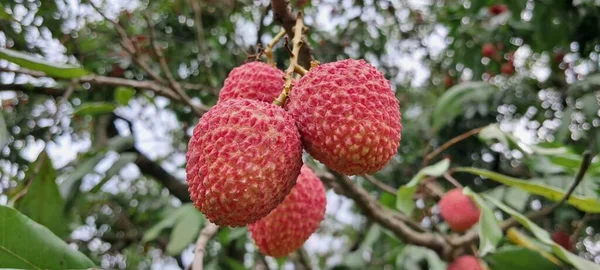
(300, 70)
(269, 49)
(521, 240)
(289, 72)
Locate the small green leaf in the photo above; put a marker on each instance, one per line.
(452, 103)
(490, 233)
(168, 222)
(542, 235)
(43, 202)
(185, 231)
(25, 244)
(4, 135)
(405, 197)
(4, 15)
(587, 204)
(69, 186)
(412, 257)
(35, 63)
(124, 159)
(124, 94)
(95, 108)
(518, 258)
(119, 144)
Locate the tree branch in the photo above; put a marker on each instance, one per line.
(148, 167)
(380, 184)
(450, 143)
(283, 15)
(205, 235)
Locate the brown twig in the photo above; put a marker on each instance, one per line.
(453, 180)
(585, 164)
(205, 235)
(283, 15)
(449, 143)
(380, 184)
(165, 68)
(269, 48)
(289, 73)
(579, 227)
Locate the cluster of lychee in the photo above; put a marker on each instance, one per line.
(244, 160)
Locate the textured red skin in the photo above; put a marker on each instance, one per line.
(242, 161)
(287, 228)
(458, 210)
(348, 116)
(253, 80)
(466, 262)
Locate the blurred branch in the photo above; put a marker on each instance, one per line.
(585, 165)
(392, 220)
(283, 15)
(380, 184)
(450, 143)
(165, 68)
(261, 23)
(148, 167)
(205, 235)
(199, 26)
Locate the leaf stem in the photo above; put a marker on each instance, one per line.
(269, 48)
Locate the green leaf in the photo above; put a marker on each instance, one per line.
(490, 233)
(120, 144)
(168, 222)
(26, 244)
(544, 237)
(413, 256)
(518, 258)
(451, 104)
(587, 204)
(70, 185)
(95, 108)
(4, 135)
(124, 94)
(493, 132)
(124, 159)
(185, 231)
(35, 63)
(404, 198)
(234, 264)
(4, 15)
(43, 202)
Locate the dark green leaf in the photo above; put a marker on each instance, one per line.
(405, 197)
(167, 222)
(94, 108)
(35, 63)
(3, 132)
(43, 202)
(518, 258)
(451, 104)
(185, 231)
(26, 244)
(124, 94)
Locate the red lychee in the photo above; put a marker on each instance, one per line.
(448, 81)
(458, 210)
(488, 50)
(498, 9)
(253, 80)
(242, 161)
(562, 239)
(348, 116)
(465, 262)
(507, 68)
(294, 220)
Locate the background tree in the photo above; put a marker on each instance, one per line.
(99, 99)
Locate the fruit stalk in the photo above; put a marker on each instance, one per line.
(289, 72)
(269, 48)
(205, 235)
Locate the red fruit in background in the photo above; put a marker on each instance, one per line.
(559, 57)
(117, 71)
(242, 161)
(488, 50)
(498, 9)
(448, 81)
(466, 262)
(458, 210)
(348, 116)
(253, 80)
(562, 239)
(287, 228)
(507, 68)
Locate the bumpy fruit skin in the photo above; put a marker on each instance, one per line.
(294, 220)
(242, 161)
(253, 80)
(458, 210)
(348, 116)
(466, 262)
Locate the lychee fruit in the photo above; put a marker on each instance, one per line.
(448, 81)
(253, 80)
(458, 210)
(498, 9)
(287, 228)
(488, 50)
(507, 68)
(242, 161)
(348, 116)
(562, 239)
(465, 262)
